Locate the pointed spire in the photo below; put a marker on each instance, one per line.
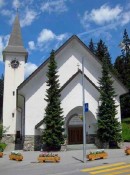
(15, 37)
(15, 44)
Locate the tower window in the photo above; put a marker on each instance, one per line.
(12, 114)
(13, 93)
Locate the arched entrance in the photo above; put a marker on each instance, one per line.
(75, 130)
(74, 126)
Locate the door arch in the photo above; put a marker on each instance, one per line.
(75, 130)
(74, 126)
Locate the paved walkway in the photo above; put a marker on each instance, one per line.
(70, 164)
(75, 156)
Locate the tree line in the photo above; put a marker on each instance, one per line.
(121, 67)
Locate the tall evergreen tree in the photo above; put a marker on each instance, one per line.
(53, 120)
(109, 129)
(102, 51)
(126, 57)
(91, 46)
(122, 65)
(119, 67)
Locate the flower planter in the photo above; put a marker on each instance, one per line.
(1, 154)
(97, 156)
(49, 159)
(16, 157)
(127, 151)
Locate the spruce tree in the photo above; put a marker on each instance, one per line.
(122, 65)
(109, 129)
(119, 67)
(53, 119)
(91, 46)
(102, 51)
(126, 58)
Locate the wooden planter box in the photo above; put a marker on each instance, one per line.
(127, 151)
(1, 154)
(49, 159)
(97, 156)
(16, 157)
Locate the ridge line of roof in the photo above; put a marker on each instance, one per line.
(45, 62)
(57, 51)
(73, 76)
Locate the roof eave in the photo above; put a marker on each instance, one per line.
(25, 54)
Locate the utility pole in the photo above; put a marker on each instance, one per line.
(84, 119)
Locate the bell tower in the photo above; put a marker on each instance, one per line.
(15, 57)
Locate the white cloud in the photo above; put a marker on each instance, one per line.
(6, 12)
(58, 6)
(106, 17)
(29, 68)
(28, 18)
(45, 35)
(125, 18)
(1, 48)
(61, 37)
(46, 41)
(3, 43)
(2, 3)
(104, 14)
(31, 45)
(16, 4)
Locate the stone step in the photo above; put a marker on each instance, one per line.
(10, 147)
(13, 146)
(80, 146)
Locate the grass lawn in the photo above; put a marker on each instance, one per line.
(126, 129)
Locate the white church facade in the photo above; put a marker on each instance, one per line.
(24, 104)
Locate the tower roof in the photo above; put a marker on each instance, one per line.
(15, 44)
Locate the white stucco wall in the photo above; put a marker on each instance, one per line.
(67, 60)
(34, 102)
(71, 97)
(12, 79)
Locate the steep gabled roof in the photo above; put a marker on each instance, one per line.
(57, 51)
(73, 76)
(46, 61)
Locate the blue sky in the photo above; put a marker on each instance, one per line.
(47, 24)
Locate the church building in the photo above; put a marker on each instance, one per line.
(24, 104)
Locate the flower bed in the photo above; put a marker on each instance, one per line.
(127, 150)
(99, 154)
(1, 152)
(48, 157)
(16, 156)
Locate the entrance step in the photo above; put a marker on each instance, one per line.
(80, 146)
(10, 147)
(13, 146)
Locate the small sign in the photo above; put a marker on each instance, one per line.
(86, 107)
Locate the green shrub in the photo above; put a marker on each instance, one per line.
(2, 146)
(126, 131)
(2, 130)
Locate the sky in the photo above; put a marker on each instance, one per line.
(47, 24)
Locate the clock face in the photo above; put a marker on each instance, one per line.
(14, 64)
